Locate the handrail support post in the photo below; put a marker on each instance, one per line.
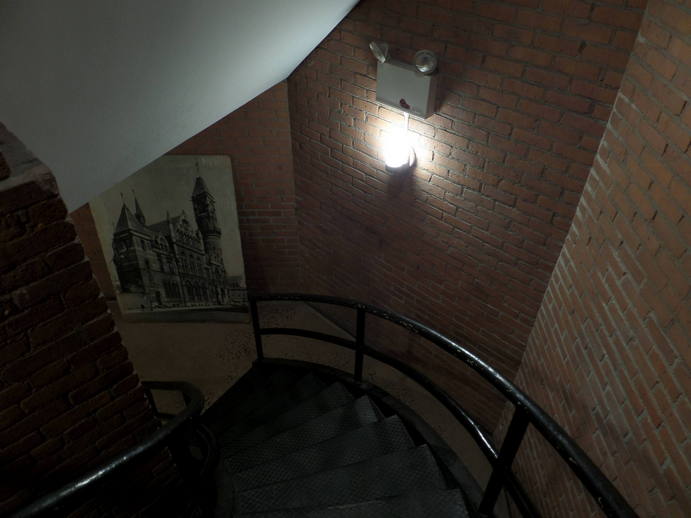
(502, 466)
(254, 313)
(359, 344)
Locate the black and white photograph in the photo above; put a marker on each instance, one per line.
(171, 241)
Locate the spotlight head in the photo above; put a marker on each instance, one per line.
(380, 50)
(425, 61)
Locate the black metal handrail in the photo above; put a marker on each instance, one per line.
(526, 411)
(194, 403)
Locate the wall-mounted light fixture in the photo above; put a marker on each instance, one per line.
(408, 87)
(398, 150)
(425, 61)
(380, 50)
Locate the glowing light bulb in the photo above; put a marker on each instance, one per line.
(398, 151)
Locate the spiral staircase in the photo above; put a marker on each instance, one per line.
(293, 439)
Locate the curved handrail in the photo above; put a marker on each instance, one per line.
(480, 436)
(527, 411)
(194, 405)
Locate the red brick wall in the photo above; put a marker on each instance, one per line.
(609, 355)
(69, 397)
(257, 138)
(467, 242)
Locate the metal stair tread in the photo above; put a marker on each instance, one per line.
(446, 503)
(373, 440)
(340, 420)
(334, 396)
(242, 398)
(270, 402)
(393, 474)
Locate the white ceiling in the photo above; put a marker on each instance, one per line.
(97, 89)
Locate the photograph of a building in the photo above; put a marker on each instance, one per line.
(172, 253)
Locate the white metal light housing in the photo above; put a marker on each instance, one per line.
(401, 85)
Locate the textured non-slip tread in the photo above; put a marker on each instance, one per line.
(446, 503)
(255, 389)
(340, 420)
(271, 402)
(374, 440)
(394, 474)
(334, 396)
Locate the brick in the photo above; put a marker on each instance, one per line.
(628, 19)
(497, 97)
(110, 360)
(13, 350)
(126, 385)
(680, 51)
(587, 30)
(51, 285)
(33, 190)
(88, 311)
(13, 226)
(120, 404)
(64, 256)
(57, 389)
(46, 212)
(81, 293)
(558, 44)
(49, 373)
(496, 11)
(22, 368)
(481, 107)
(23, 274)
(21, 322)
(537, 20)
(30, 423)
(517, 119)
(504, 66)
(577, 68)
(570, 102)
(606, 56)
(513, 33)
(56, 327)
(547, 78)
(12, 394)
(540, 110)
(591, 126)
(523, 89)
(559, 132)
(592, 91)
(101, 383)
(51, 236)
(47, 449)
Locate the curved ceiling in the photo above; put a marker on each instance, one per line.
(98, 89)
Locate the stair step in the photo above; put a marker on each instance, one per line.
(446, 503)
(274, 400)
(235, 403)
(390, 475)
(373, 440)
(340, 420)
(334, 396)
